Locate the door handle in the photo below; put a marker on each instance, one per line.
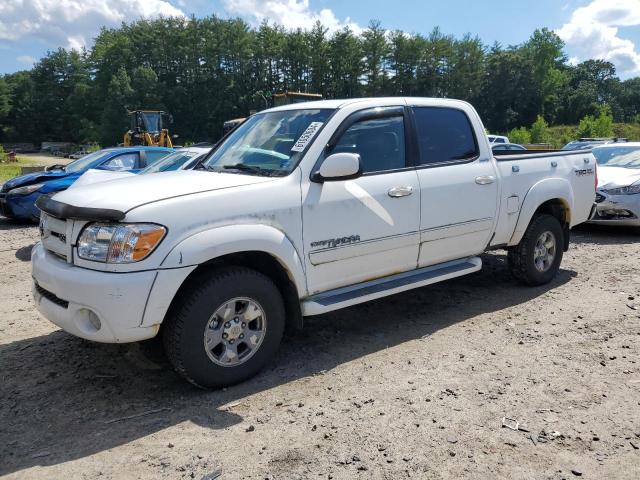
(397, 192)
(485, 179)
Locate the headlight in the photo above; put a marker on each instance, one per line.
(628, 190)
(119, 242)
(26, 190)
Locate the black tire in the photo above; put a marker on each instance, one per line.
(521, 257)
(184, 328)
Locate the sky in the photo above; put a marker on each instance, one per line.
(606, 29)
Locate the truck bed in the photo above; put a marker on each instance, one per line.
(499, 154)
(571, 172)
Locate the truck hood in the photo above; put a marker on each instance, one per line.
(617, 176)
(126, 193)
(96, 176)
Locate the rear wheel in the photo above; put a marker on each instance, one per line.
(536, 259)
(226, 327)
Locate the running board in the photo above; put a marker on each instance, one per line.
(363, 292)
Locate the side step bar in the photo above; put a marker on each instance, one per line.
(363, 292)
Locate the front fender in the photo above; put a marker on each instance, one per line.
(543, 191)
(217, 242)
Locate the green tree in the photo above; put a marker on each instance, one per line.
(467, 69)
(545, 50)
(403, 61)
(146, 90)
(18, 123)
(58, 79)
(114, 116)
(597, 126)
(346, 66)
(591, 84)
(519, 135)
(629, 100)
(375, 51)
(540, 131)
(5, 99)
(208, 70)
(5, 105)
(319, 60)
(507, 98)
(434, 64)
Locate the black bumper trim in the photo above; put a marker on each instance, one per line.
(51, 297)
(5, 208)
(64, 210)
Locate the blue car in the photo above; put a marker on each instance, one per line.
(18, 195)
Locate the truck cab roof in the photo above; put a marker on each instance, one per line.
(374, 101)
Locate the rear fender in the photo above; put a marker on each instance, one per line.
(217, 242)
(541, 192)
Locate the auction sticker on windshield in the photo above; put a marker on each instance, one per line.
(306, 136)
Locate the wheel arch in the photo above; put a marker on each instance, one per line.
(551, 196)
(259, 247)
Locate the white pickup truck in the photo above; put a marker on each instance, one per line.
(303, 209)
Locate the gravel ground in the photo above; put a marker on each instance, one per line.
(415, 385)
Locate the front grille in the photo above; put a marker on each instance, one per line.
(599, 198)
(53, 232)
(51, 297)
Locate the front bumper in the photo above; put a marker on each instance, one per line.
(101, 306)
(623, 210)
(19, 206)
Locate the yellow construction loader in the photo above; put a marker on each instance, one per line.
(149, 128)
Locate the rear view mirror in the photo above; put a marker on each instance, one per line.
(338, 166)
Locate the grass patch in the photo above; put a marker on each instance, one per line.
(8, 170)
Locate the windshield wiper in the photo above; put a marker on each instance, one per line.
(57, 166)
(208, 168)
(243, 167)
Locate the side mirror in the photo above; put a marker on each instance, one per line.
(338, 166)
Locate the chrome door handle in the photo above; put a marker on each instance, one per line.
(485, 179)
(397, 192)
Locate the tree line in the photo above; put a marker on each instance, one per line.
(208, 70)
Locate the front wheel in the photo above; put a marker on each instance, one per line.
(536, 259)
(226, 327)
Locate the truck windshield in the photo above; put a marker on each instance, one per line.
(268, 144)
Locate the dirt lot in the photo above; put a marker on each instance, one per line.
(415, 385)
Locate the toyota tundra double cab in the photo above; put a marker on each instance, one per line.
(303, 209)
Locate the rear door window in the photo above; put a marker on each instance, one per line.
(445, 135)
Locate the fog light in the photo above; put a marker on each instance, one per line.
(94, 320)
(88, 321)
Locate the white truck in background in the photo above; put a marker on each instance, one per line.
(494, 139)
(303, 209)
